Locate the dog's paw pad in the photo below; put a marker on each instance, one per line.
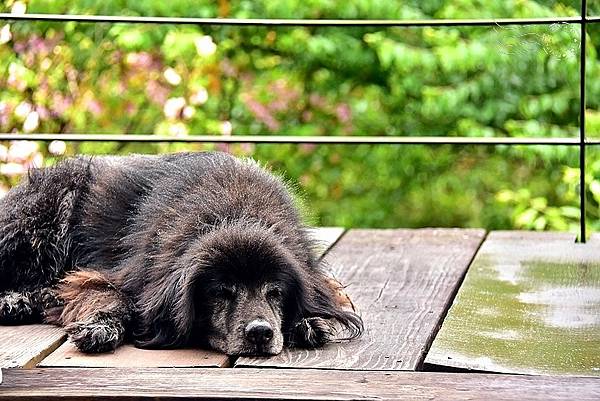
(15, 308)
(94, 336)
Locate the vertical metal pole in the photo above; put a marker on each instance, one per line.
(582, 60)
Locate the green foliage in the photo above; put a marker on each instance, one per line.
(455, 81)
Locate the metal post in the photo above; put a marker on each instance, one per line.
(582, 60)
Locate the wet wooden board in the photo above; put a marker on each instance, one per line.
(286, 384)
(530, 303)
(67, 355)
(129, 356)
(402, 282)
(25, 346)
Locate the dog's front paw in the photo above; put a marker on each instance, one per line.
(313, 332)
(46, 298)
(16, 308)
(100, 333)
(49, 305)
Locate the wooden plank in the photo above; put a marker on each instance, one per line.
(402, 282)
(128, 356)
(25, 346)
(325, 237)
(530, 303)
(594, 239)
(286, 384)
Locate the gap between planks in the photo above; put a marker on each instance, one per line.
(421, 363)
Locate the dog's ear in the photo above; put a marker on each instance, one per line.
(322, 313)
(165, 312)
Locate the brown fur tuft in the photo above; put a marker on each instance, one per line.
(85, 293)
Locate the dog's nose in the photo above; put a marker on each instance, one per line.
(259, 332)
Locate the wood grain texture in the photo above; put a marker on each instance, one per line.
(594, 239)
(325, 237)
(25, 346)
(530, 303)
(401, 282)
(127, 355)
(287, 384)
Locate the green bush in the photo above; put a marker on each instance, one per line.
(507, 81)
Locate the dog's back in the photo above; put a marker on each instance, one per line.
(136, 203)
(119, 190)
(94, 212)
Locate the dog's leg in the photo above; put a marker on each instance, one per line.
(47, 302)
(26, 307)
(17, 308)
(96, 315)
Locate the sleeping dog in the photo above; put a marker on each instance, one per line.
(168, 251)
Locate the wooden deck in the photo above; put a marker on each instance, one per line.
(528, 307)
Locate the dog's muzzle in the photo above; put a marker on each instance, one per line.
(259, 332)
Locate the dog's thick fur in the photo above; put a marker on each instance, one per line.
(173, 250)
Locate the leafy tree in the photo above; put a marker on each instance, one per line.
(507, 81)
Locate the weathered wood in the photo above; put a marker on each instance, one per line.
(25, 346)
(325, 237)
(530, 303)
(127, 355)
(287, 384)
(594, 239)
(402, 282)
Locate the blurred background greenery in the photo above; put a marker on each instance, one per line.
(181, 80)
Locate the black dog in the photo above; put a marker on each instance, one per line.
(189, 248)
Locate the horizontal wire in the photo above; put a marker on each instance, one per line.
(294, 139)
(433, 140)
(293, 22)
(331, 140)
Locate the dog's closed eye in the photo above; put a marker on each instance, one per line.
(274, 293)
(224, 292)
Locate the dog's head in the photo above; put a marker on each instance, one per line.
(241, 290)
